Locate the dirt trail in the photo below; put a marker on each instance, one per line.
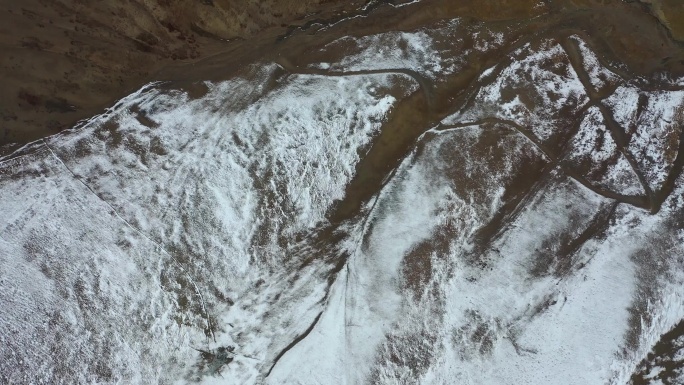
(415, 115)
(614, 39)
(67, 60)
(637, 201)
(419, 113)
(90, 65)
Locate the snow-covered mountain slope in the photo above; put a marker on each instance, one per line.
(532, 234)
(192, 202)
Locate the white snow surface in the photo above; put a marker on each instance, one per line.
(594, 144)
(123, 234)
(170, 225)
(537, 89)
(653, 121)
(600, 76)
(417, 50)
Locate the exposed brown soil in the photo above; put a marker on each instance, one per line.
(663, 355)
(66, 60)
(671, 14)
(627, 38)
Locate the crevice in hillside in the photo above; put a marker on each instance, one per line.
(294, 342)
